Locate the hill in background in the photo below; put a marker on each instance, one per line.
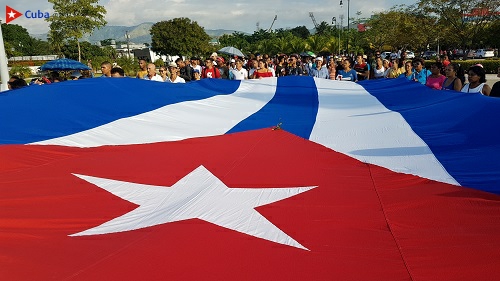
(138, 34)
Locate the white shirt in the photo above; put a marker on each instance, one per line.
(240, 74)
(178, 79)
(478, 89)
(379, 73)
(272, 70)
(197, 67)
(154, 78)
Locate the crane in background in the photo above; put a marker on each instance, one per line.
(275, 18)
(313, 19)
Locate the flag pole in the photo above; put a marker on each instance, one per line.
(4, 72)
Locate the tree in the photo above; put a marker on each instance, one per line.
(491, 38)
(179, 36)
(401, 27)
(106, 42)
(465, 19)
(300, 31)
(237, 40)
(317, 43)
(325, 29)
(56, 42)
(16, 36)
(73, 18)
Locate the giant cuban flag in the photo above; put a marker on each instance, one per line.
(293, 178)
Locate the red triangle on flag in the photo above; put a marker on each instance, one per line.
(11, 14)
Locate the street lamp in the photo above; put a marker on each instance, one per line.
(334, 21)
(341, 3)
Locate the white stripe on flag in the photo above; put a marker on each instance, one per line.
(209, 117)
(353, 122)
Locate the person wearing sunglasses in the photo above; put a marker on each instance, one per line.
(164, 73)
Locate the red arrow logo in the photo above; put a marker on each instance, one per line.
(11, 14)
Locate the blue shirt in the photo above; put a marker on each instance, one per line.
(409, 77)
(321, 73)
(349, 76)
(422, 76)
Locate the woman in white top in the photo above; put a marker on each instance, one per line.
(387, 65)
(379, 69)
(477, 81)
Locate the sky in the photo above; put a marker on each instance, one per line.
(215, 14)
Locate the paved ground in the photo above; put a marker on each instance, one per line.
(491, 79)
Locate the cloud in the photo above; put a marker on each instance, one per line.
(219, 14)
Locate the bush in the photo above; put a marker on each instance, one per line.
(21, 71)
(490, 65)
(129, 65)
(159, 63)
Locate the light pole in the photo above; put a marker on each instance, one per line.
(334, 21)
(347, 37)
(4, 72)
(128, 44)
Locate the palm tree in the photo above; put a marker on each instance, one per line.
(317, 43)
(56, 41)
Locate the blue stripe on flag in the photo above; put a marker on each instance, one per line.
(62, 109)
(459, 128)
(296, 115)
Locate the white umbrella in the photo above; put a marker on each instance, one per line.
(232, 51)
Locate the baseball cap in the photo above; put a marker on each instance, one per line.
(76, 74)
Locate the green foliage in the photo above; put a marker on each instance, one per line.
(325, 29)
(317, 43)
(73, 18)
(106, 42)
(129, 65)
(21, 71)
(237, 40)
(490, 66)
(56, 42)
(159, 62)
(301, 32)
(18, 42)
(259, 36)
(462, 31)
(89, 51)
(179, 36)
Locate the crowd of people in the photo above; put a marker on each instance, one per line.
(442, 75)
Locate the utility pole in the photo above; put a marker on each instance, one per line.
(341, 25)
(347, 38)
(334, 21)
(4, 72)
(128, 44)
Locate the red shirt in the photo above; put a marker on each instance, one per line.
(210, 73)
(263, 74)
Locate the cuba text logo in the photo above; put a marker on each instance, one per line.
(36, 15)
(12, 14)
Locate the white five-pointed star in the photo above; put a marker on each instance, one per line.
(12, 14)
(199, 195)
